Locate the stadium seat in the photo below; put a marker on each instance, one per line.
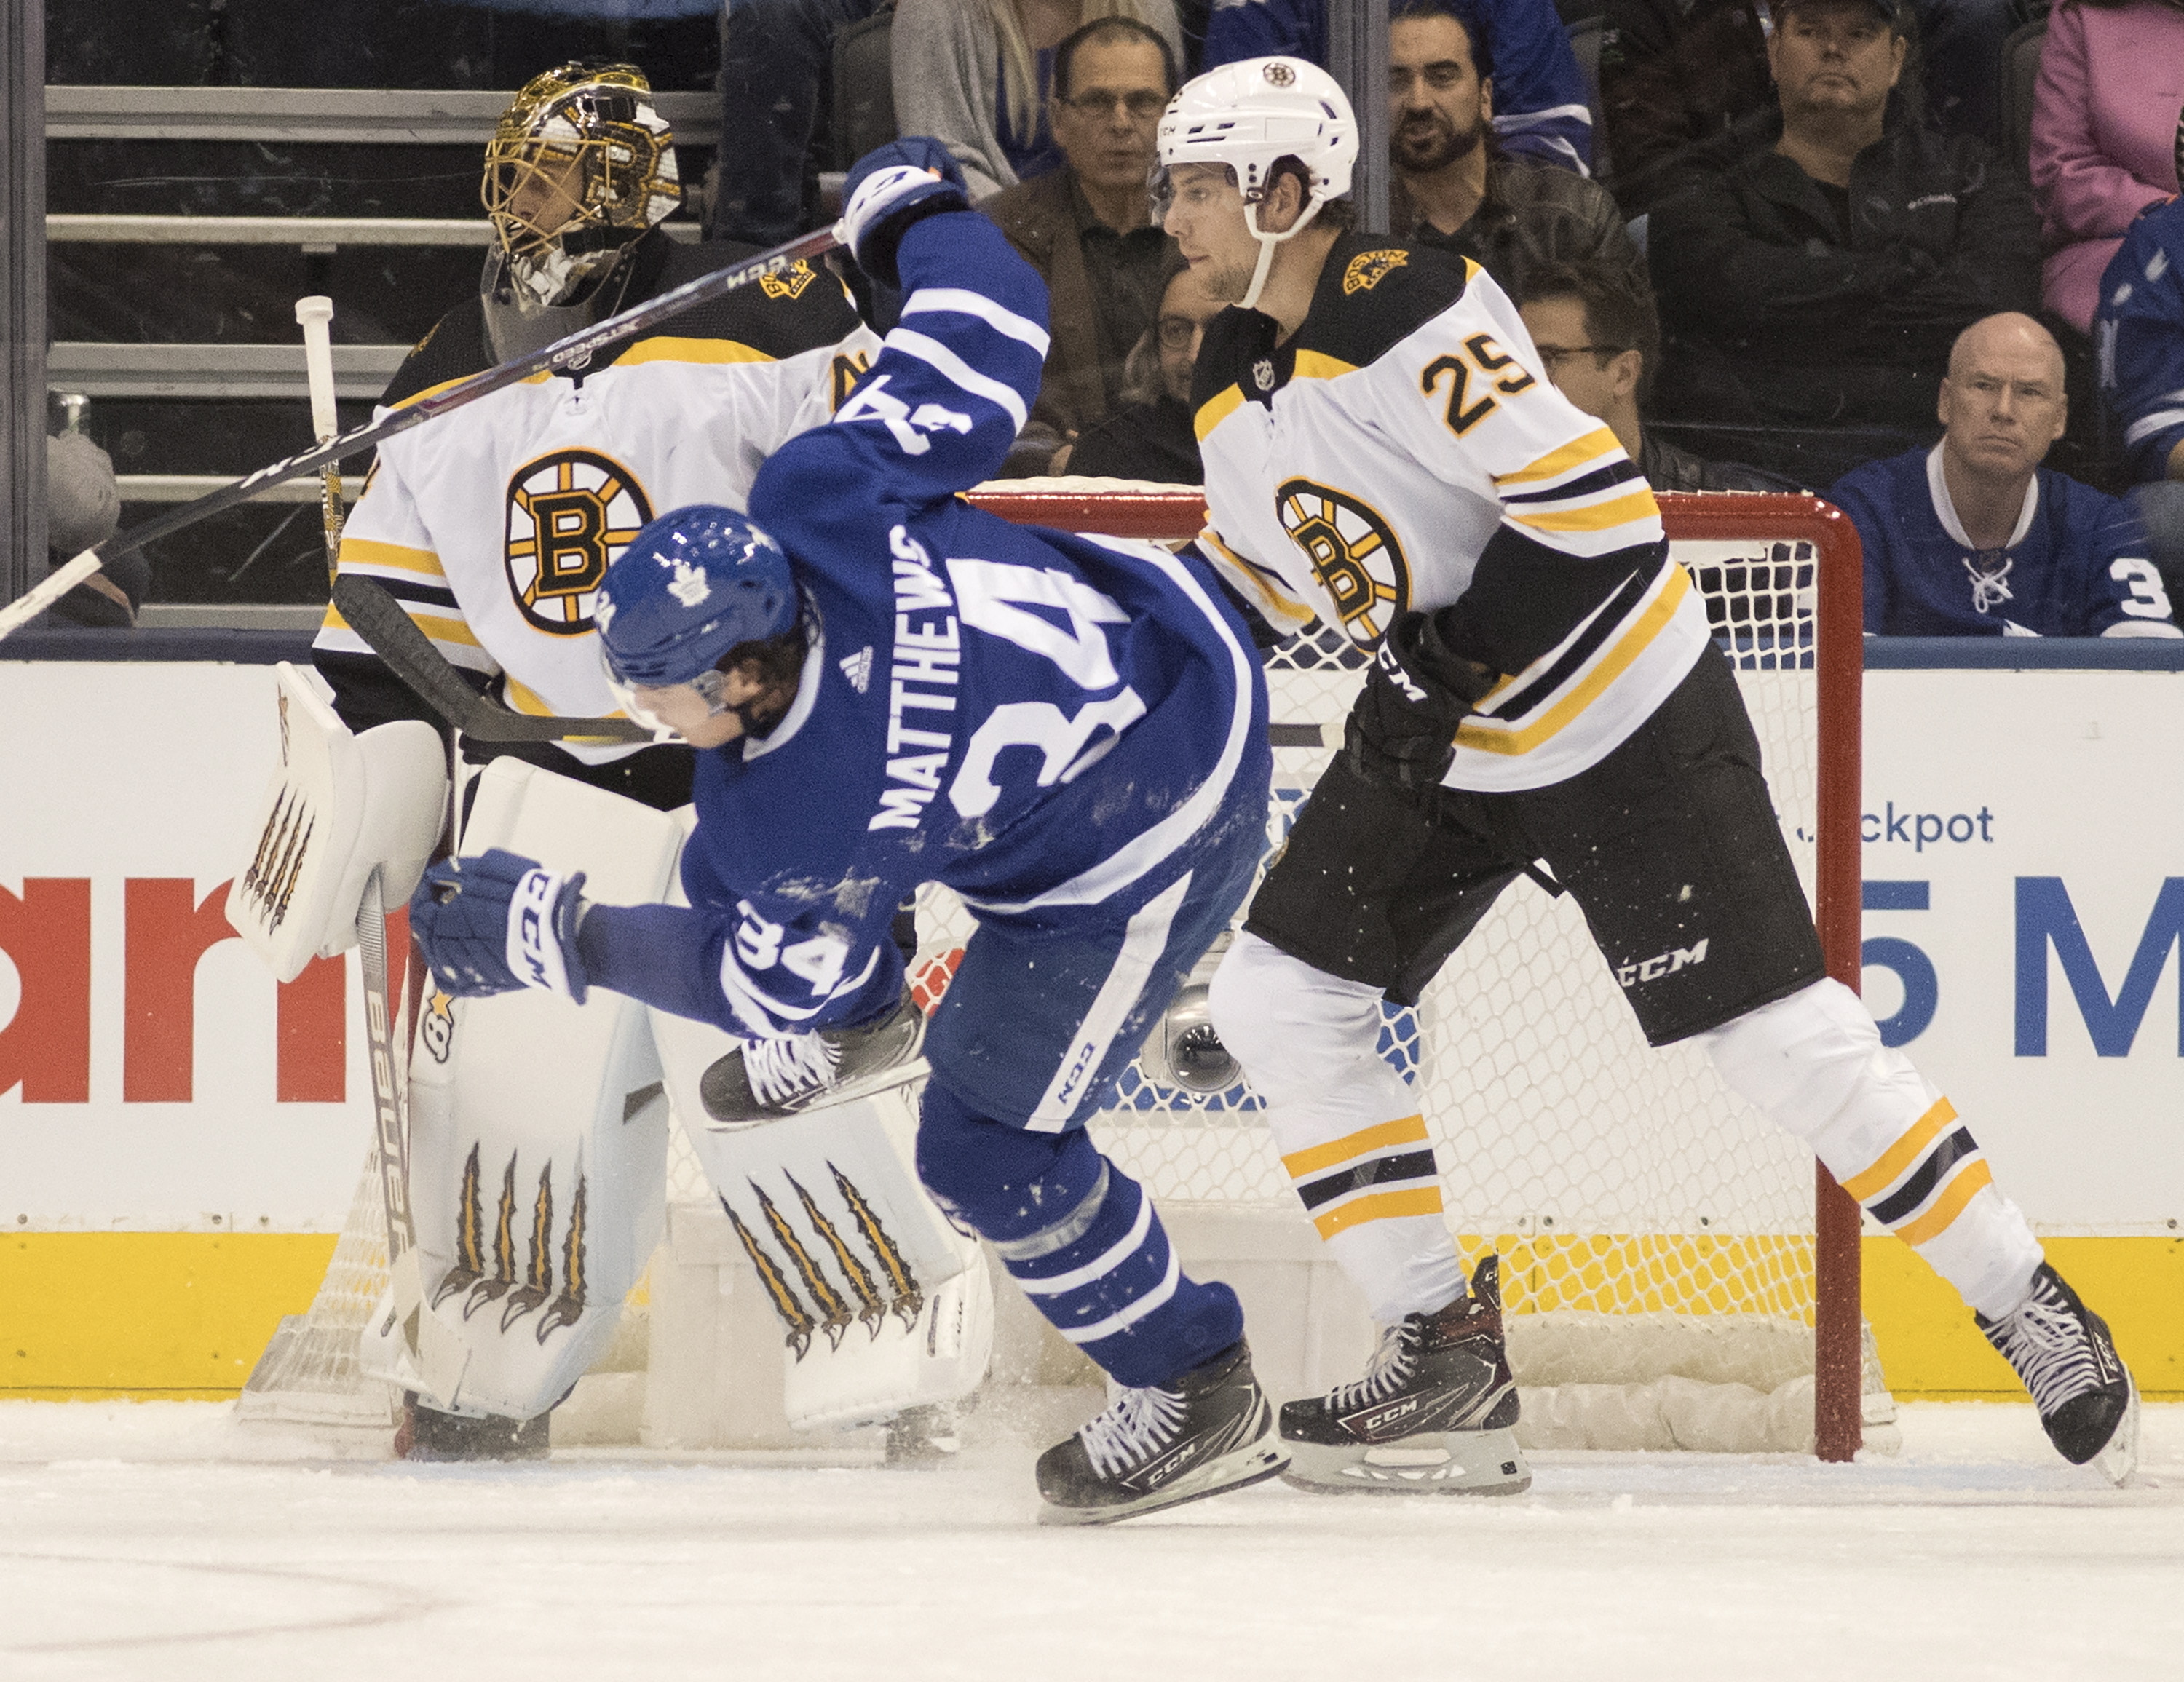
(863, 87)
(2020, 69)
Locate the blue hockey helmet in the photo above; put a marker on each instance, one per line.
(695, 584)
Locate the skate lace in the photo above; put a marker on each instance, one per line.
(2053, 1353)
(788, 1067)
(1135, 1424)
(1386, 1373)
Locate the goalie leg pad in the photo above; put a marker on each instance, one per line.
(1351, 1131)
(1080, 1237)
(1813, 1064)
(539, 1130)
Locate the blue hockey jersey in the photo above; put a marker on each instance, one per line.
(2138, 339)
(1541, 110)
(2074, 565)
(1040, 721)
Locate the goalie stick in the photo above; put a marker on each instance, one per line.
(384, 623)
(575, 351)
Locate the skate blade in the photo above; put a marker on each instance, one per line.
(1265, 1458)
(871, 1086)
(2119, 1456)
(1432, 1463)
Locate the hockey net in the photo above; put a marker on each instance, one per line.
(1653, 1230)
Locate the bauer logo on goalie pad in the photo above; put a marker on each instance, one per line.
(873, 1291)
(1353, 553)
(437, 1027)
(569, 515)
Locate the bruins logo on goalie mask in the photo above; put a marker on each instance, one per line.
(1353, 552)
(570, 514)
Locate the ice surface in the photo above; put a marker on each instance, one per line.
(163, 1540)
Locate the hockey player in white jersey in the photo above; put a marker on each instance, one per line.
(1384, 452)
(494, 526)
(889, 687)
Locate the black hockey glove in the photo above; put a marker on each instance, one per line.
(1402, 727)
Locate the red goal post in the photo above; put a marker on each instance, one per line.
(1833, 602)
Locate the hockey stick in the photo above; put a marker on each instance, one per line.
(314, 315)
(385, 624)
(575, 351)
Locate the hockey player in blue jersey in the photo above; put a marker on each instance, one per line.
(888, 687)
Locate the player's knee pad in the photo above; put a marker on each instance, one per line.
(538, 1129)
(1004, 1182)
(1296, 1030)
(1813, 1064)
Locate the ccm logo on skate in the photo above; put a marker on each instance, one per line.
(1653, 969)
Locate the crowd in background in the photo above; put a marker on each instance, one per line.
(1924, 250)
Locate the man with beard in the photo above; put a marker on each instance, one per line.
(1455, 189)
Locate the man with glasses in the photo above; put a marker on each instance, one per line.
(1085, 228)
(1594, 326)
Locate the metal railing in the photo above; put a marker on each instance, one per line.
(321, 116)
(214, 371)
(189, 487)
(314, 234)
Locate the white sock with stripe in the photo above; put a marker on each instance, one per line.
(1348, 1127)
(1814, 1064)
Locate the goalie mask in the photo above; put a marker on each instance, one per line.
(699, 592)
(580, 165)
(1250, 116)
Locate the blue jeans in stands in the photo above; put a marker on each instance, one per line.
(776, 97)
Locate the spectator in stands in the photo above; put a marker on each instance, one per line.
(1151, 437)
(2104, 122)
(975, 74)
(776, 107)
(1677, 75)
(1976, 538)
(1820, 278)
(83, 509)
(1594, 327)
(2140, 330)
(1451, 187)
(1087, 227)
(1540, 105)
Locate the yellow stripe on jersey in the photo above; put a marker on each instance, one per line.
(1576, 453)
(1599, 516)
(442, 629)
(665, 349)
(1970, 1179)
(1313, 364)
(1216, 410)
(396, 557)
(1406, 1130)
(522, 699)
(1890, 1165)
(1634, 642)
(1381, 1206)
(1263, 579)
(539, 378)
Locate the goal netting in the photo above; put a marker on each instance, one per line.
(1657, 1237)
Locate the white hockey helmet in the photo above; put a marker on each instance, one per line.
(1249, 116)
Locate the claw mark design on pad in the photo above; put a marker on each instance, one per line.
(786, 1303)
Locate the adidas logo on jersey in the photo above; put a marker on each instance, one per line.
(858, 669)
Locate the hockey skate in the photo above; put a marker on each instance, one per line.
(2062, 1350)
(1432, 1415)
(1156, 1447)
(425, 1434)
(770, 1079)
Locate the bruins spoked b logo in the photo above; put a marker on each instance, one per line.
(569, 514)
(1353, 553)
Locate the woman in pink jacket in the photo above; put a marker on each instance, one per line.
(2104, 114)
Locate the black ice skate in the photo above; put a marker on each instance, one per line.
(771, 1079)
(2062, 1350)
(425, 1434)
(1432, 1415)
(1152, 1448)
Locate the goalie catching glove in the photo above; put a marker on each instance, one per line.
(891, 189)
(1402, 727)
(499, 921)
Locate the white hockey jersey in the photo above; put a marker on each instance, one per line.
(1405, 449)
(494, 525)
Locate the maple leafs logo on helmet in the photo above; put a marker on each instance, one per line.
(691, 586)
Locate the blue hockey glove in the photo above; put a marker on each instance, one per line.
(1402, 728)
(499, 921)
(892, 188)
